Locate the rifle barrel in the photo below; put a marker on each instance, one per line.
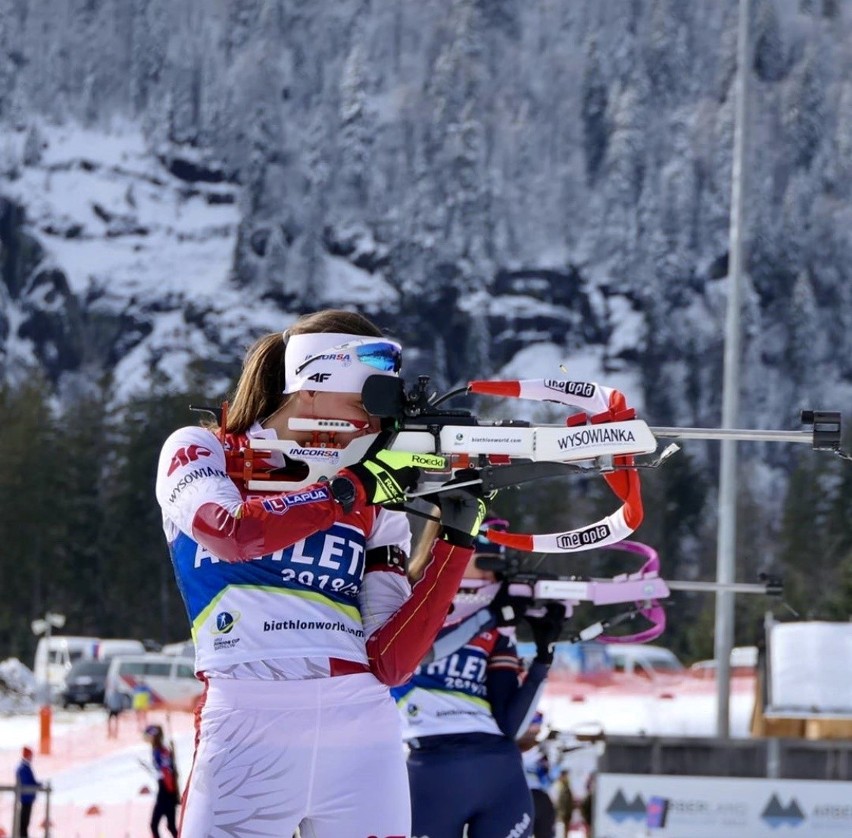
(733, 433)
(733, 587)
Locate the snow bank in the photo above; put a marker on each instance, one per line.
(17, 687)
(809, 669)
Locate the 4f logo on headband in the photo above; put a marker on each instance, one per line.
(319, 377)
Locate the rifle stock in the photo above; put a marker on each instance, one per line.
(469, 446)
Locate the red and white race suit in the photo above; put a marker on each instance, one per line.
(302, 615)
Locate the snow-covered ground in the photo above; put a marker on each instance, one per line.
(677, 707)
(101, 788)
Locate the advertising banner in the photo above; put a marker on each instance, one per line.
(633, 805)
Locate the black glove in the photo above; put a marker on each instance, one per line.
(546, 630)
(462, 510)
(507, 609)
(386, 475)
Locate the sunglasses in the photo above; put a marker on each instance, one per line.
(384, 355)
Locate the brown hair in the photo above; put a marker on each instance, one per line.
(155, 734)
(259, 391)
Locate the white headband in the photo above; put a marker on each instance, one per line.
(334, 362)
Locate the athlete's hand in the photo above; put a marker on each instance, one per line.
(546, 630)
(386, 475)
(507, 609)
(462, 510)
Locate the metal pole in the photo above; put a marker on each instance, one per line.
(45, 712)
(47, 790)
(16, 812)
(727, 524)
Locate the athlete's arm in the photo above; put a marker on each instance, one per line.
(385, 586)
(512, 703)
(199, 498)
(452, 638)
(397, 646)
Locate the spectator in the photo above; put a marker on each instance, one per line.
(141, 704)
(539, 777)
(564, 800)
(587, 806)
(114, 703)
(25, 778)
(165, 805)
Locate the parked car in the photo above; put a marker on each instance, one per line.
(169, 678)
(600, 662)
(85, 683)
(644, 660)
(56, 655)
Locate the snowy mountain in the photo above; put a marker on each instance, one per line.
(114, 262)
(114, 255)
(506, 186)
(483, 177)
(511, 188)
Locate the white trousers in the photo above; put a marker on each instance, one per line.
(324, 754)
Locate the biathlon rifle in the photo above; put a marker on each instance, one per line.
(603, 436)
(644, 588)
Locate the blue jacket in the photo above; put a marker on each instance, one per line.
(25, 777)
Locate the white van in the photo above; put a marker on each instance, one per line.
(171, 680)
(55, 655)
(183, 649)
(110, 647)
(743, 662)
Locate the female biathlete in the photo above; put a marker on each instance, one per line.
(464, 708)
(301, 611)
(163, 759)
